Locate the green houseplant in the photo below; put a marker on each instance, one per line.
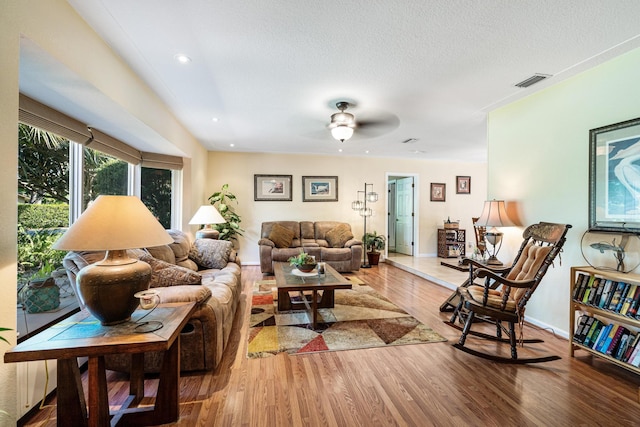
(303, 262)
(222, 201)
(374, 242)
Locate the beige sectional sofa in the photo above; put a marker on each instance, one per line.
(329, 241)
(205, 271)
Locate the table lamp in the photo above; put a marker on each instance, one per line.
(114, 224)
(207, 215)
(494, 214)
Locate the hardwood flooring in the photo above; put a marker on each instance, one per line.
(411, 385)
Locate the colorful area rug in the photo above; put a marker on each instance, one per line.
(361, 318)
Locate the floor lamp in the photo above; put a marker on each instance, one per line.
(361, 207)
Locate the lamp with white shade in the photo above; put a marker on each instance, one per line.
(494, 214)
(113, 224)
(207, 215)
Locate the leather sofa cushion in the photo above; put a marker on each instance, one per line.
(338, 236)
(198, 294)
(282, 237)
(165, 274)
(163, 253)
(180, 245)
(210, 253)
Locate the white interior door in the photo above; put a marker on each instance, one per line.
(404, 216)
(391, 217)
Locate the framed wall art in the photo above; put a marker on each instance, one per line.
(463, 185)
(272, 188)
(614, 172)
(438, 192)
(319, 188)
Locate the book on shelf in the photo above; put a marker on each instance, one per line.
(628, 299)
(633, 308)
(604, 336)
(606, 291)
(634, 358)
(588, 288)
(593, 332)
(615, 341)
(595, 297)
(617, 296)
(632, 342)
(577, 287)
(578, 331)
(621, 349)
(602, 332)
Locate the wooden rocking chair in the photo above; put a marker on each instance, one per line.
(504, 294)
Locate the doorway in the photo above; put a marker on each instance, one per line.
(402, 214)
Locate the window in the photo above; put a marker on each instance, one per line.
(155, 193)
(102, 174)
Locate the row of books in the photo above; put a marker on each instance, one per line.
(611, 339)
(618, 297)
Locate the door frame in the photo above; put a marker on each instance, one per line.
(416, 209)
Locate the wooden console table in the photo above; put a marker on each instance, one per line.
(81, 335)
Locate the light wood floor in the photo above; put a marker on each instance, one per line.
(412, 385)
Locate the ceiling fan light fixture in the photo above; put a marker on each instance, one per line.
(342, 132)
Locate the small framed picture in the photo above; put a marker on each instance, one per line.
(463, 185)
(319, 188)
(438, 192)
(272, 188)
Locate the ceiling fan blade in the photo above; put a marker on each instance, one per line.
(373, 125)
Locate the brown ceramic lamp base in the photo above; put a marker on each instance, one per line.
(107, 287)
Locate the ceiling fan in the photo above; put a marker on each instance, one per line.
(344, 124)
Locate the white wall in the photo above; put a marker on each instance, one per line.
(538, 158)
(238, 169)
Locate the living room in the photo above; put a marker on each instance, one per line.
(538, 157)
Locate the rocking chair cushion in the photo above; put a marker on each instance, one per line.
(527, 266)
(476, 293)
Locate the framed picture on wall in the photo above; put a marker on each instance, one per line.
(614, 168)
(463, 185)
(438, 192)
(319, 188)
(272, 188)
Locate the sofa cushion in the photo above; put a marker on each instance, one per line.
(181, 244)
(338, 236)
(163, 253)
(282, 237)
(198, 294)
(165, 274)
(210, 253)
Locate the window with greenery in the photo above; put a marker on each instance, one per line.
(155, 193)
(102, 174)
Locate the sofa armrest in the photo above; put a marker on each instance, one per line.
(184, 293)
(353, 242)
(266, 242)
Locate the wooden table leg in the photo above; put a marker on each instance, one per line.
(314, 308)
(98, 397)
(136, 378)
(72, 407)
(167, 408)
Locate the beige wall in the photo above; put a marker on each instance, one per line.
(539, 159)
(55, 27)
(238, 169)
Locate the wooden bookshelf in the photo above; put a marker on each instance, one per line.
(451, 242)
(603, 314)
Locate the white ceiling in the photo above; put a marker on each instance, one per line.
(271, 71)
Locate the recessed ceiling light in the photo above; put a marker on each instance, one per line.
(215, 119)
(366, 152)
(232, 145)
(182, 58)
(340, 150)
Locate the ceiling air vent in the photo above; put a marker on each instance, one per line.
(409, 141)
(532, 80)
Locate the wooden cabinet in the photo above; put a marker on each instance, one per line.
(451, 242)
(600, 306)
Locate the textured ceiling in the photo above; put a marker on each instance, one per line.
(271, 71)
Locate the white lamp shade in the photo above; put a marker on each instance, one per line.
(342, 132)
(494, 214)
(207, 214)
(114, 223)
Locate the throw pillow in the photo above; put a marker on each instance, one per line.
(210, 253)
(281, 236)
(165, 274)
(339, 235)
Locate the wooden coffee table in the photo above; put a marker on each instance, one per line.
(287, 282)
(82, 335)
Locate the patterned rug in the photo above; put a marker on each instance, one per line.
(361, 318)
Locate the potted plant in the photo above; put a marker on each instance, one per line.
(221, 200)
(374, 242)
(303, 262)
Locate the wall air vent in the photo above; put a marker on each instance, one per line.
(532, 80)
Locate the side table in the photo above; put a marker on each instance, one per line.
(81, 335)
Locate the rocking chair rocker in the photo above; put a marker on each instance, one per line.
(505, 292)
